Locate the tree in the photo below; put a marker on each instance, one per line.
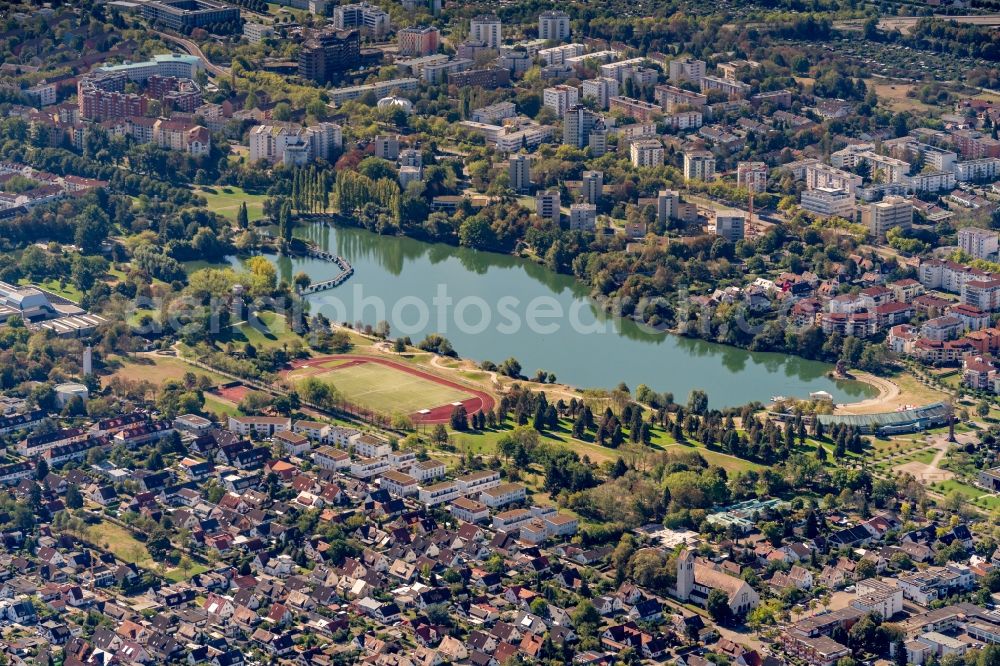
(983, 409)
(73, 498)
(717, 605)
(698, 402)
(41, 469)
(459, 418)
(242, 218)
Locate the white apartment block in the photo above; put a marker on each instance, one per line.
(887, 214)
(370, 446)
(978, 243)
(264, 426)
(502, 495)
(820, 175)
(987, 168)
(730, 224)
(647, 153)
(494, 113)
(362, 16)
(427, 470)
(557, 55)
(699, 165)
(487, 30)
(330, 458)
(582, 217)
(752, 176)
(687, 68)
(366, 468)
(560, 98)
(438, 493)
(601, 90)
(553, 25)
(547, 205)
(829, 202)
(475, 482)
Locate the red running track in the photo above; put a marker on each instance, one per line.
(481, 402)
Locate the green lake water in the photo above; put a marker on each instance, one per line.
(398, 279)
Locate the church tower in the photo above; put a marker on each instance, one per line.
(685, 574)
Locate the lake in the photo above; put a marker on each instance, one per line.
(493, 306)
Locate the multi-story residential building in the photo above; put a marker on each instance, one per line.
(366, 468)
(398, 484)
(557, 55)
(553, 25)
(592, 186)
(637, 109)
(978, 243)
(367, 18)
(439, 493)
(418, 41)
(487, 30)
(752, 176)
(578, 124)
(487, 77)
(947, 275)
(981, 170)
(502, 495)
(687, 69)
(672, 98)
(582, 217)
(330, 458)
(469, 510)
(942, 328)
(494, 113)
(508, 521)
(475, 482)
(329, 54)
(560, 98)
(601, 90)
(257, 32)
(185, 15)
(379, 89)
(647, 153)
(819, 175)
(983, 294)
(519, 171)
(829, 202)
(547, 205)
(887, 214)
(975, 145)
(387, 147)
(699, 165)
(271, 142)
(925, 586)
(733, 89)
(426, 470)
(729, 224)
(263, 426)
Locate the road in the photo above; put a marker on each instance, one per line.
(194, 50)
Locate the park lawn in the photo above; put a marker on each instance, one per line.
(158, 369)
(120, 542)
(387, 390)
(226, 200)
(988, 502)
(69, 291)
(273, 332)
(724, 460)
(953, 485)
(125, 547)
